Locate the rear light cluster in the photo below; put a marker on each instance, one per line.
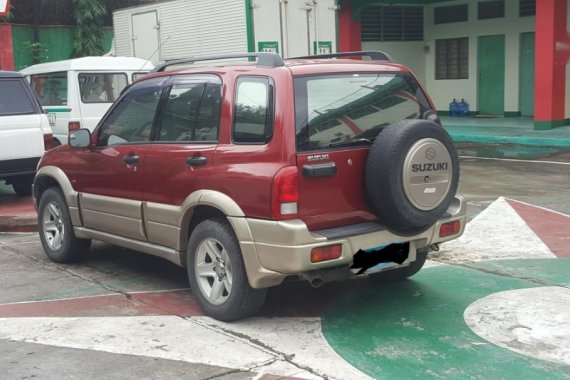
(73, 126)
(285, 193)
(450, 228)
(326, 253)
(48, 141)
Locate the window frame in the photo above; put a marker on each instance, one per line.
(270, 109)
(459, 71)
(524, 11)
(65, 73)
(406, 23)
(462, 7)
(488, 2)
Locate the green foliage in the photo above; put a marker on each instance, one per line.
(39, 54)
(89, 15)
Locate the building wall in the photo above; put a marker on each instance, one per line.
(443, 91)
(410, 53)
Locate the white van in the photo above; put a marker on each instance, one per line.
(76, 93)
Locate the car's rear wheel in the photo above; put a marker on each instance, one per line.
(56, 231)
(23, 185)
(394, 275)
(217, 274)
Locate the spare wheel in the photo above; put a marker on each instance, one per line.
(412, 172)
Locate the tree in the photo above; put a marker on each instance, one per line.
(89, 15)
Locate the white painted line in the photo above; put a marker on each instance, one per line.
(515, 160)
(497, 233)
(542, 208)
(533, 322)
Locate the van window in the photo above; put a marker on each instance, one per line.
(137, 76)
(101, 87)
(14, 100)
(51, 88)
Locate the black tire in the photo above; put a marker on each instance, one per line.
(400, 274)
(242, 300)
(23, 185)
(385, 182)
(72, 248)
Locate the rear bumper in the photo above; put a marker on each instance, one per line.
(283, 248)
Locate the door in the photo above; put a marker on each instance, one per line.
(146, 40)
(181, 157)
(491, 84)
(526, 88)
(109, 178)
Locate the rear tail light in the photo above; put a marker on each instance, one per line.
(48, 141)
(450, 228)
(328, 252)
(285, 193)
(73, 126)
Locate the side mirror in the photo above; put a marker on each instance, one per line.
(80, 138)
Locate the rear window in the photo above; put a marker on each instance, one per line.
(101, 87)
(351, 109)
(51, 88)
(14, 100)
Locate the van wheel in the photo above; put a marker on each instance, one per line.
(400, 274)
(23, 185)
(56, 231)
(217, 273)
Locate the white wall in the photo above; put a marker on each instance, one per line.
(443, 91)
(410, 54)
(294, 23)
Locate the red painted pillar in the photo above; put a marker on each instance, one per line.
(6, 48)
(349, 31)
(551, 58)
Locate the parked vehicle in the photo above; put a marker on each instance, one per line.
(76, 93)
(24, 132)
(247, 174)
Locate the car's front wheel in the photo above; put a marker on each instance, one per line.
(217, 274)
(56, 231)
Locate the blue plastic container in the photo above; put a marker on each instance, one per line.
(454, 108)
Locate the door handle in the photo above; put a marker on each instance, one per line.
(131, 159)
(319, 170)
(197, 161)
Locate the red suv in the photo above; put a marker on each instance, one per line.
(249, 173)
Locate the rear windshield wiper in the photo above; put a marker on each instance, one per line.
(352, 142)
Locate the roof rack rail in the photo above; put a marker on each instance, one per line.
(374, 55)
(264, 59)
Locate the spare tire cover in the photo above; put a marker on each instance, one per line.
(412, 172)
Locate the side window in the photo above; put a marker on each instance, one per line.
(101, 87)
(253, 113)
(192, 113)
(132, 118)
(14, 100)
(51, 88)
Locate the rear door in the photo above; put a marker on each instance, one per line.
(337, 119)
(181, 157)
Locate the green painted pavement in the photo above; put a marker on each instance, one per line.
(415, 329)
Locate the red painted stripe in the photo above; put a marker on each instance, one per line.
(117, 305)
(551, 227)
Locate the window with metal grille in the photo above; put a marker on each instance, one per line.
(452, 58)
(392, 23)
(450, 13)
(490, 9)
(527, 8)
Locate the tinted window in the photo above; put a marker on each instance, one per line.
(192, 113)
(51, 88)
(253, 116)
(14, 100)
(491, 9)
(132, 118)
(101, 88)
(343, 110)
(450, 13)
